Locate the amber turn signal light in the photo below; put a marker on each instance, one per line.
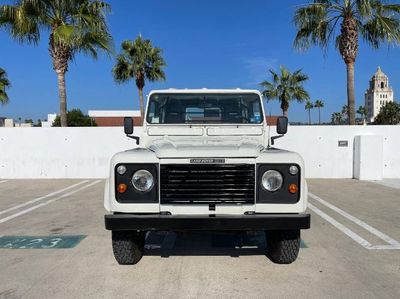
(293, 188)
(122, 188)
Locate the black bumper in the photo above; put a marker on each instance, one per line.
(205, 222)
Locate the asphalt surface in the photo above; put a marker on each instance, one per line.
(351, 251)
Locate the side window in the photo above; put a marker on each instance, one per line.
(153, 113)
(256, 113)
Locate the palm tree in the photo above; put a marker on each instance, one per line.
(333, 118)
(318, 23)
(74, 26)
(363, 112)
(286, 87)
(319, 104)
(309, 106)
(4, 84)
(141, 61)
(337, 118)
(345, 113)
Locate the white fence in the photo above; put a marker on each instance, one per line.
(85, 152)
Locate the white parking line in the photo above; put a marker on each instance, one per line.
(3, 181)
(393, 243)
(385, 247)
(42, 197)
(361, 223)
(47, 202)
(340, 227)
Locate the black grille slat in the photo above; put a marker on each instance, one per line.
(207, 183)
(209, 180)
(216, 186)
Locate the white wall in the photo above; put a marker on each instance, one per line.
(85, 152)
(324, 159)
(60, 152)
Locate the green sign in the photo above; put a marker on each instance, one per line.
(40, 242)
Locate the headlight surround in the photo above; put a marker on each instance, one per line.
(272, 180)
(142, 180)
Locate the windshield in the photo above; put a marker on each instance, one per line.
(205, 108)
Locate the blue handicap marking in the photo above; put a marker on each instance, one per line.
(40, 242)
(303, 244)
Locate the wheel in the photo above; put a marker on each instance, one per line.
(127, 246)
(283, 245)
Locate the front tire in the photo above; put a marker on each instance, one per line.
(128, 246)
(283, 245)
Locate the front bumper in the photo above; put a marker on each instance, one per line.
(154, 222)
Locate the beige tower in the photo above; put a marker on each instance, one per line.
(378, 94)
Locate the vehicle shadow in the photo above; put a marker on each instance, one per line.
(213, 243)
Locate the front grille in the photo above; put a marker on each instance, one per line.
(207, 183)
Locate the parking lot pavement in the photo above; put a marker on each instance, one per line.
(351, 251)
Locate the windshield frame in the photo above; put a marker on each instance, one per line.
(210, 93)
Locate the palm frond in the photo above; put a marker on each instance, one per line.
(139, 59)
(4, 84)
(79, 25)
(122, 70)
(383, 25)
(15, 20)
(285, 87)
(314, 27)
(317, 23)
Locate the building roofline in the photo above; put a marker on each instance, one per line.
(114, 113)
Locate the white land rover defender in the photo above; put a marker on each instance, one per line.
(204, 163)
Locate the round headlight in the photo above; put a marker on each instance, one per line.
(121, 169)
(142, 180)
(293, 170)
(272, 180)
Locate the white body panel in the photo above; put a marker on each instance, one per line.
(177, 144)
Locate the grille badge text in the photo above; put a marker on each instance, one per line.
(207, 161)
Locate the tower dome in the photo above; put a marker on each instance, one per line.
(379, 75)
(379, 80)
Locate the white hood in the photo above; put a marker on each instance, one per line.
(166, 148)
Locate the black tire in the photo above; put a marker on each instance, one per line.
(128, 246)
(283, 245)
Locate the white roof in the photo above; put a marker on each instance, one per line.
(205, 90)
(114, 113)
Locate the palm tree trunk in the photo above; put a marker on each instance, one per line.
(141, 103)
(348, 47)
(350, 92)
(63, 99)
(309, 116)
(60, 55)
(319, 115)
(140, 85)
(284, 106)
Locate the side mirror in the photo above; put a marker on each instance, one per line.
(281, 125)
(128, 129)
(128, 125)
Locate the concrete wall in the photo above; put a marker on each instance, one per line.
(325, 159)
(59, 152)
(85, 152)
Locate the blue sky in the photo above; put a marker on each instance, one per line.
(214, 44)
